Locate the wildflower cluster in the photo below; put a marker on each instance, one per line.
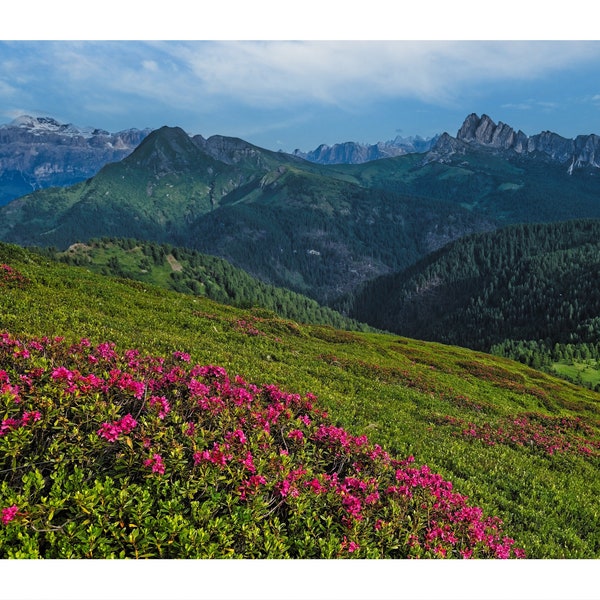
(112, 431)
(248, 327)
(11, 277)
(549, 434)
(136, 455)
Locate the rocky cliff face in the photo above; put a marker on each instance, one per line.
(582, 151)
(40, 152)
(356, 153)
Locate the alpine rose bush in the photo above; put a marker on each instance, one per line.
(106, 454)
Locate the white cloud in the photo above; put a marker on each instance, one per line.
(197, 77)
(270, 74)
(349, 73)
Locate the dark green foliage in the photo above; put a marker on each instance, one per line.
(524, 282)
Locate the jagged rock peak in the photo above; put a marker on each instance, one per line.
(483, 132)
(356, 152)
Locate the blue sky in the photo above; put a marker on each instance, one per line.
(372, 80)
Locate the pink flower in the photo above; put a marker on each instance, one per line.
(249, 463)
(163, 404)
(156, 463)
(305, 419)
(316, 486)
(295, 434)
(62, 373)
(349, 546)
(109, 431)
(9, 513)
(216, 456)
(126, 424)
(8, 425)
(238, 435)
(31, 416)
(183, 356)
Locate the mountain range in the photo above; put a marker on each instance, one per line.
(40, 152)
(482, 132)
(290, 222)
(320, 230)
(357, 153)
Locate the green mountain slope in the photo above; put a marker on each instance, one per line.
(523, 282)
(190, 272)
(504, 187)
(287, 221)
(521, 445)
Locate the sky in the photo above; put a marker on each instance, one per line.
(297, 92)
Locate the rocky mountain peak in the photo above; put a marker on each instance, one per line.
(39, 152)
(357, 153)
(483, 132)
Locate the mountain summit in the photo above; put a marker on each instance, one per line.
(41, 152)
(482, 132)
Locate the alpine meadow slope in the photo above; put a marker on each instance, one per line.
(159, 424)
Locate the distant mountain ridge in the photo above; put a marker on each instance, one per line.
(355, 153)
(41, 152)
(285, 220)
(320, 230)
(482, 132)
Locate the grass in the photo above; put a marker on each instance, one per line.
(413, 398)
(587, 372)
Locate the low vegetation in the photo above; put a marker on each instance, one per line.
(163, 424)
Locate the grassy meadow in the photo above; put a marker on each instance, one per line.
(521, 445)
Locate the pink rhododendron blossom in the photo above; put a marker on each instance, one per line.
(7, 425)
(216, 456)
(349, 546)
(249, 463)
(183, 356)
(109, 432)
(156, 463)
(127, 424)
(31, 417)
(237, 435)
(163, 405)
(9, 513)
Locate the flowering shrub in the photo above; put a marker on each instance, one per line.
(11, 277)
(107, 454)
(533, 430)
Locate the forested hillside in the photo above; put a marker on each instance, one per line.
(320, 230)
(291, 223)
(190, 272)
(535, 282)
